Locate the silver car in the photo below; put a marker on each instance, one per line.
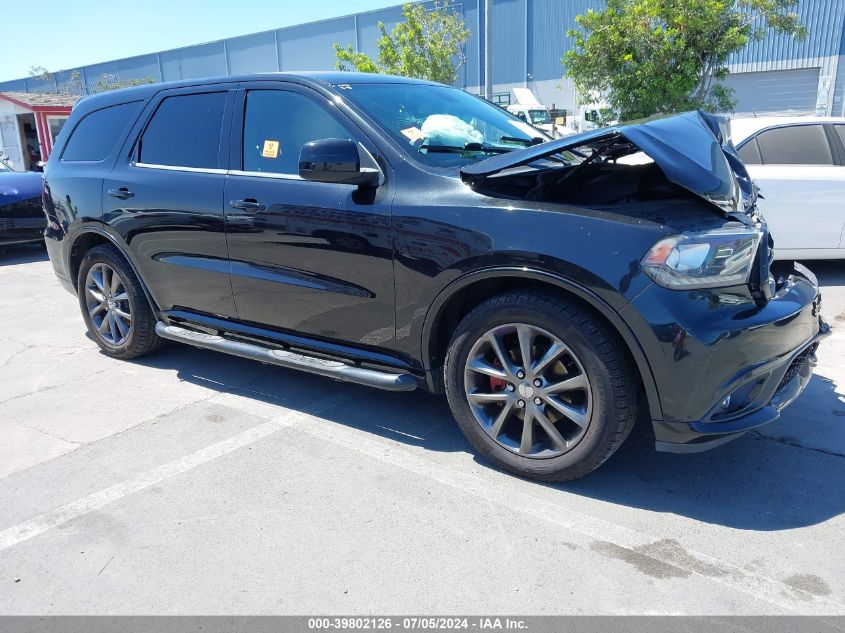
(799, 164)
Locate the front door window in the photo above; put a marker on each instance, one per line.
(276, 126)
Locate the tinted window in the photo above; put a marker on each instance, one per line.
(795, 145)
(98, 133)
(840, 130)
(185, 132)
(749, 153)
(277, 124)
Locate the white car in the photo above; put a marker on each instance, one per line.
(798, 162)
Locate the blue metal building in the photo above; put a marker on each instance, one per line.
(528, 37)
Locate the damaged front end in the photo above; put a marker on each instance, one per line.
(686, 159)
(693, 151)
(731, 339)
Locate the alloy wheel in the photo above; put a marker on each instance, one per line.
(528, 390)
(108, 306)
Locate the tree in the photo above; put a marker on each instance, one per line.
(658, 56)
(428, 44)
(109, 81)
(73, 86)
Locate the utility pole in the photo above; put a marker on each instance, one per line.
(488, 51)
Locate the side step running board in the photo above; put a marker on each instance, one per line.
(323, 367)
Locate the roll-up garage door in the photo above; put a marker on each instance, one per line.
(775, 91)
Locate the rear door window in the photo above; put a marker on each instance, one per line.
(795, 145)
(185, 131)
(98, 133)
(750, 153)
(277, 123)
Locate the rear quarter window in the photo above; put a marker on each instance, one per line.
(97, 134)
(185, 131)
(795, 145)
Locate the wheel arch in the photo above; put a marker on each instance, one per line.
(459, 297)
(91, 235)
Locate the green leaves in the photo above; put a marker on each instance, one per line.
(108, 81)
(428, 44)
(73, 85)
(349, 59)
(659, 56)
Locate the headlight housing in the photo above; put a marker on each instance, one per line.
(706, 259)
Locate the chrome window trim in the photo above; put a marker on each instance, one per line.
(194, 170)
(224, 172)
(266, 174)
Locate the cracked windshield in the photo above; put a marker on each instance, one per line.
(441, 126)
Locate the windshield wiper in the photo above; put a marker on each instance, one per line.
(537, 140)
(597, 153)
(469, 147)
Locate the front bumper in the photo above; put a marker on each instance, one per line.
(21, 230)
(55, 250)
(724, 364)
(789, 380)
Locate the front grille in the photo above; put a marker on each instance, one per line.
(796, 365)
(7, 224)
(23, 220)
(21, 209)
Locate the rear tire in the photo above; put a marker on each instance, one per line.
(546, 359)
(114, 306)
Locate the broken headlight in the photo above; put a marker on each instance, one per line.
(706, 259)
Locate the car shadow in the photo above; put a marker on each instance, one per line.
(830, 272)
(754, 483)
(22, 254)
(760, 481)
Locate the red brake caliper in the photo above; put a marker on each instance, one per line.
(497, 384)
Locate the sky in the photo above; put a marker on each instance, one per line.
(61, 34)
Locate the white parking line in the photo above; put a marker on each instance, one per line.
(44, 522)
(499, 489)
(40, 524)
(598, 534)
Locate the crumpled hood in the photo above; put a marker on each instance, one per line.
(693, 149)
(17, 186)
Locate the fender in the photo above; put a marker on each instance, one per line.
(596, 302)
(104, 230)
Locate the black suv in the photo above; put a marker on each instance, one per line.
(403, 234)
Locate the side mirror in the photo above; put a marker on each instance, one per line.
(337, 160)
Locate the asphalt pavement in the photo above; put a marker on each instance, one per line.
(190, 482)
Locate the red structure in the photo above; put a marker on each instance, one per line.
(29, 125)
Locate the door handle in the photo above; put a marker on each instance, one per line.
(122, 193)
(247, 204)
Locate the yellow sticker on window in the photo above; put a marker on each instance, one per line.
(271, 149)
(413, 134)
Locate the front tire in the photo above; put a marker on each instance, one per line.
(540, 385)
(114, 306)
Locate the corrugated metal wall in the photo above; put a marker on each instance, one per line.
(823, 19)
(310, 46)
(368, 31)
(471, 72)
(838, 92)
(252, 53)
(550, 19)
(509, 49)
(775, 91)
(529, 39)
